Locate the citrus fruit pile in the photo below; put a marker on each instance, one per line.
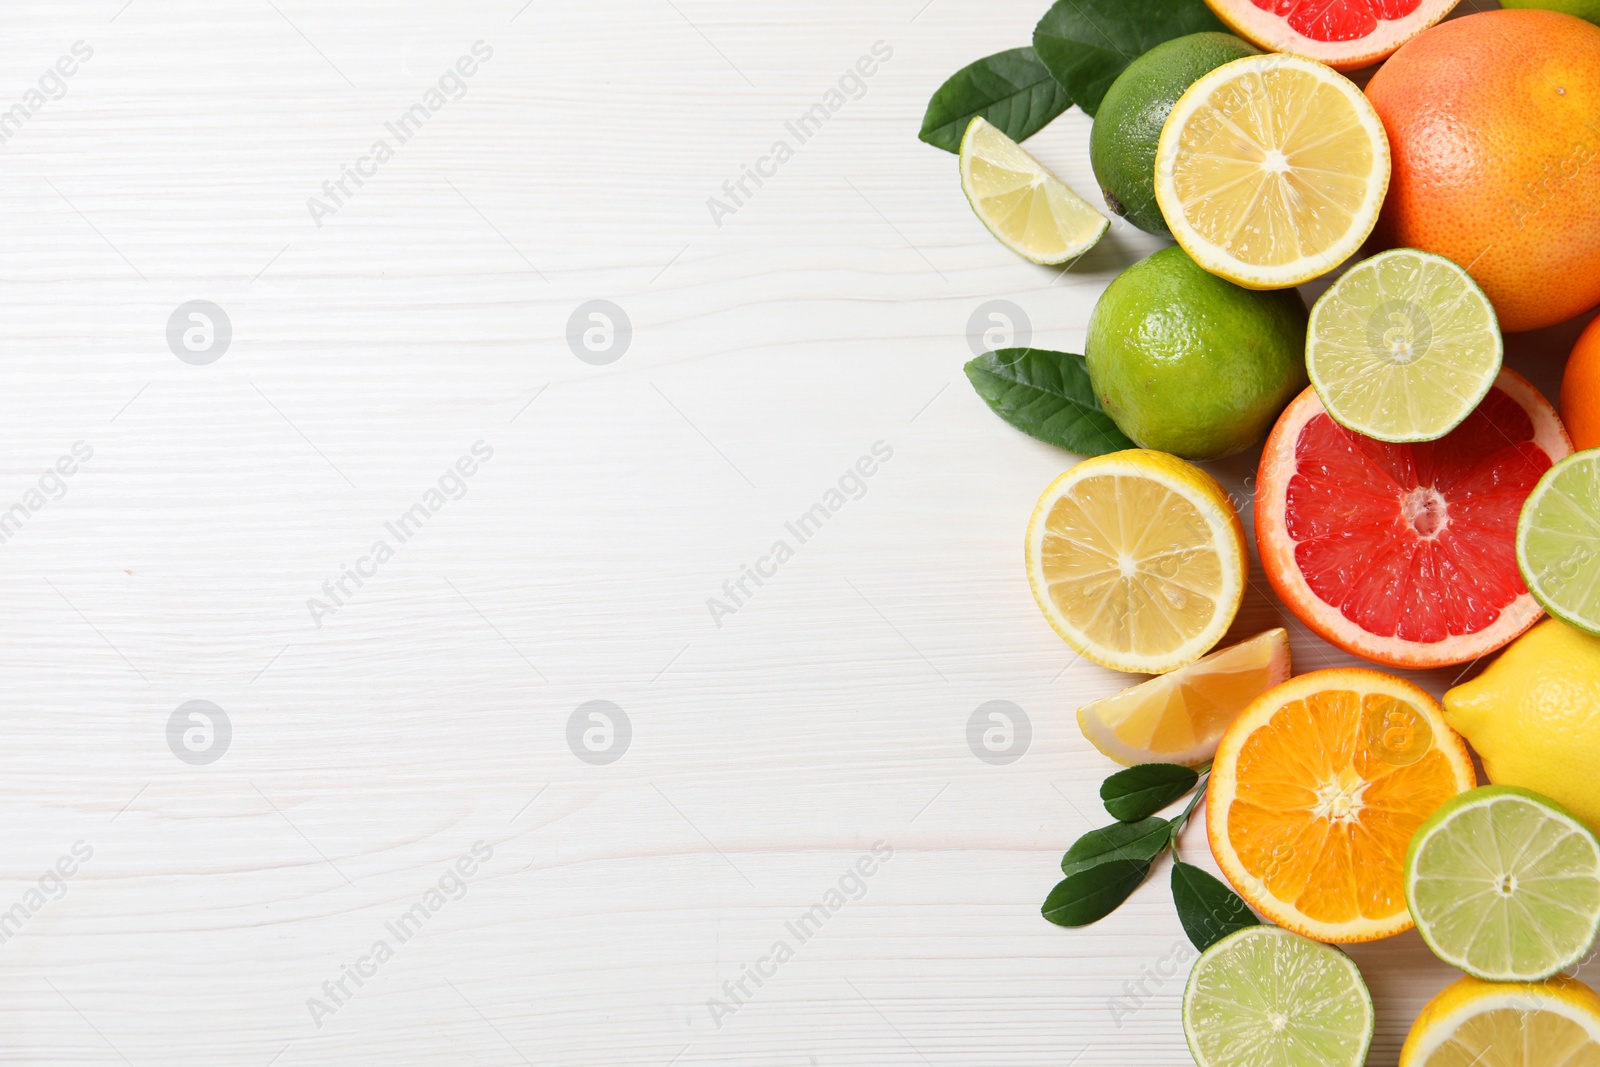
(1417, 504)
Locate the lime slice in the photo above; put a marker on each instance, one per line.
(1403, 346)
(1505, 884)
(1265, 995)
(1558, 541)
(1029, 209)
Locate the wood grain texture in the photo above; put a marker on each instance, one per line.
(431, 710)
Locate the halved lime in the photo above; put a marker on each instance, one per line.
(1029, 209)
(1505, 884)
(1558, 541)
(1264, 995)
(1403, 346)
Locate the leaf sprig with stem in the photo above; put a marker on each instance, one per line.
(1105, 866)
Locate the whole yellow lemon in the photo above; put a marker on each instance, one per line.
(1534, 717)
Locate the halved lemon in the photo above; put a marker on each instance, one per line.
(1030, 210)
(1179, 717)
(1507, 1024)
(1271, 170)
(1137, 560)
(1315, 792)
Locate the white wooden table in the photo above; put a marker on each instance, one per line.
(234, 869)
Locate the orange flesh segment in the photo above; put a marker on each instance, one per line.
(1336, 784)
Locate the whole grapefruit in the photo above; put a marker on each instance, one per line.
(1496, 157)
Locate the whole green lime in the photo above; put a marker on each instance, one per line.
(1584, 9)
(1188, 363)
(1122, 146)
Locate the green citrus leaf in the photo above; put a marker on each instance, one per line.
(1208, 909)
(1087, 43)
(1132, 794)
(1092, 894)
(1142, 840)
(1046, 395)
(1012, 89)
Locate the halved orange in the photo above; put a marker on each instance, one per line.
(1315, 792)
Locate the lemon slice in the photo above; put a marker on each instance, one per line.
(1030, 210)
(1137, 560)
(1179, 717)
(1271, 170)
(1507, 1024)
(1403, 346)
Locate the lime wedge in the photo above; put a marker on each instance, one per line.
(1403, 346)
(1029, 209)
(1505, 884)
(1558, 541)
(1265, 995)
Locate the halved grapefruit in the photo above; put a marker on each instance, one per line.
(1344, 34)
(1405, 554)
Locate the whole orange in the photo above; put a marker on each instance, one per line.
(1580, 389)
(1494, 130)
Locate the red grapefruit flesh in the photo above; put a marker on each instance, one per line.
(1405, 554)
(1344, 34)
